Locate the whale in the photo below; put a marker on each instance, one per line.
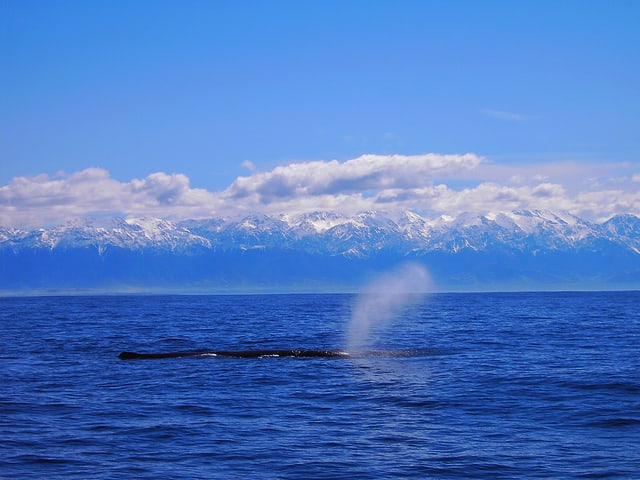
(294, 353)
(298, 353)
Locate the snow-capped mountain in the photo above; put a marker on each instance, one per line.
(335, 234)
(102, 233)
(624, 228)
(532, 247)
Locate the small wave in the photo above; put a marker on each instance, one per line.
(614, 422)
(620, 386)
(406, 353)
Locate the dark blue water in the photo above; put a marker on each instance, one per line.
(519, 385)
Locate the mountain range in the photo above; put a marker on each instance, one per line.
(319, 251)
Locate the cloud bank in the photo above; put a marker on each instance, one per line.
(431, 184)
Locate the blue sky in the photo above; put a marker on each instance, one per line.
(193, 100)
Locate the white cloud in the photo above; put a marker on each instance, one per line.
(432, 184)
(502, 115)
(365, 173)
(486, 197)
(249, 165)
(42, 199)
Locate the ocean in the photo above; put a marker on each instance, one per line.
(482, 385)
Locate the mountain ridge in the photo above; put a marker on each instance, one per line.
(530, 248)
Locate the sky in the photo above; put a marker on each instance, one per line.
(193, 109)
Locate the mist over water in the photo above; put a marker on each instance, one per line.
(383, 300)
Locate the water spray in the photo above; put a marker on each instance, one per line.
(383, 299)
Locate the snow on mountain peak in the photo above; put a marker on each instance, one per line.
(335, 233)
(317, 222)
